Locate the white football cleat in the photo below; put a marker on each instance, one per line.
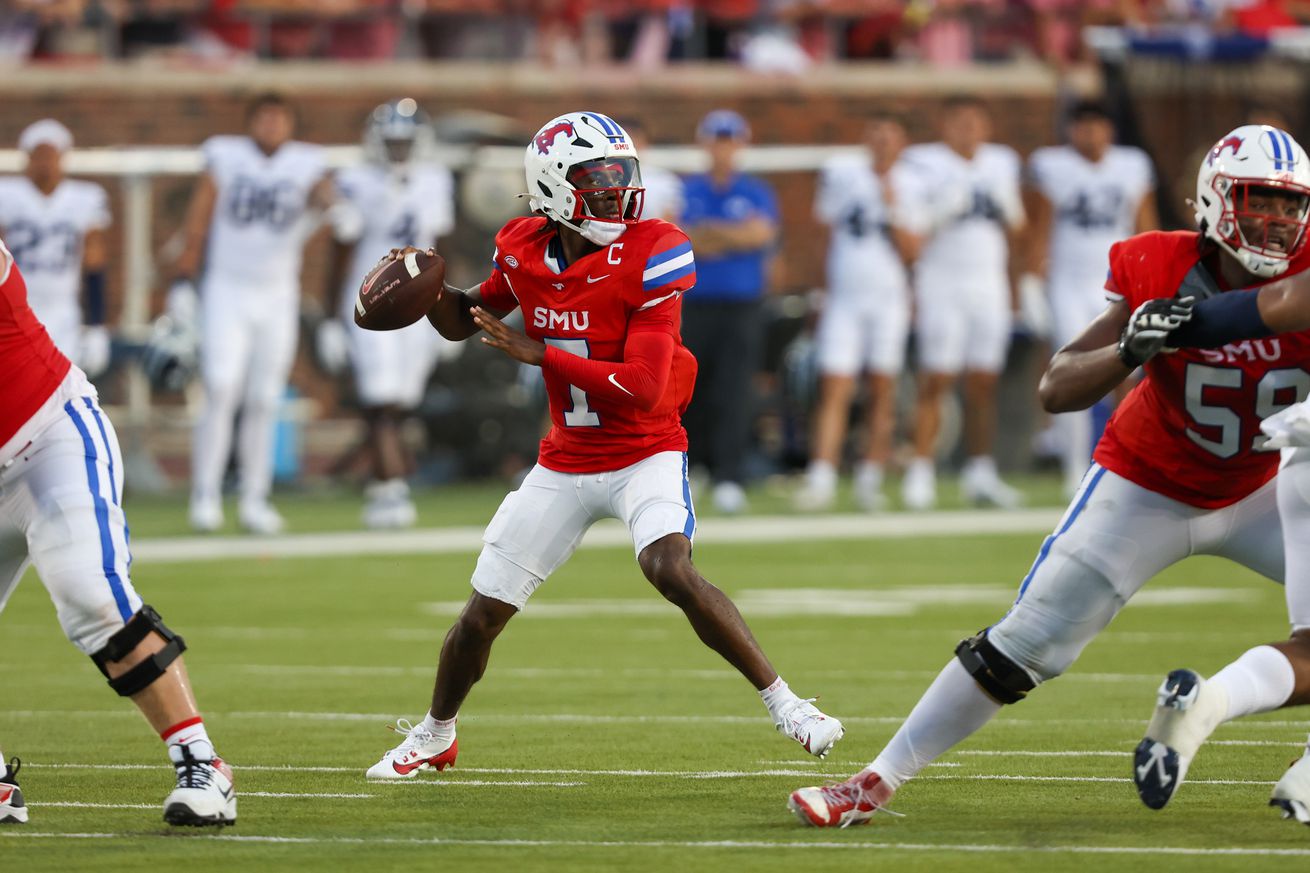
(805, 724)
(1187, 711)
(420, 750)
(729, 498)
(260, 518)
(206, 516)
(814, 498)
(204, 794)
(982, 487)
(12, 808)
(841, 804)
(388, 506)
(919, 487)
(1292, 793)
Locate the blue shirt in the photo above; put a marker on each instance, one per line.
(730, 276)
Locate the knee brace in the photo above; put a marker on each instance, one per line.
(121, 644)
(1002, 679)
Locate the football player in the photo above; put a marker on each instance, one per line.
(601, 293)
(55, 228)
(1086, 196)
(248, 221)
(866, 316)
(61, 484)
(402, 199)
(1181, 470)
(1233, 325)
(964, 202)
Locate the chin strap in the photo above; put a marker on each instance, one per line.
(602, 233)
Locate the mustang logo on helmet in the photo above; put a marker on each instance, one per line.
(546, 138)
(1230, 142)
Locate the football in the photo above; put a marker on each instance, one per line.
(397, 293)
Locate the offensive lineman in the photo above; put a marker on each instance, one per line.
(402, 199)
(55, 228)
(248, 221)
(1276, 675)
(866, 317)
(1181, 469)
(601, 291)
(61, 480)
(964, 201)
(1086, 196)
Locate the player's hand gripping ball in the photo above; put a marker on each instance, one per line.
(400, 289)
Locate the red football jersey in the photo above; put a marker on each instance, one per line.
(1191, 429)
(589, 308)
(32, 366)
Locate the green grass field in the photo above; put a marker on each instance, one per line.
(605, 737)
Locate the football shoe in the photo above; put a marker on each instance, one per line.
(1292, 793)
(1187, 711)
(259, 517)
(919, 487)
(420, 750)
(12, 808)
(204, 794)
(983, 487)
(206, 515)
(841, 804)
(804, 723)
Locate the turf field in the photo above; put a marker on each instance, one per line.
(605, 737)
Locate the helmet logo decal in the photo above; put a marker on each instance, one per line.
(1230, 142)
(546, 138)
(1282, 142)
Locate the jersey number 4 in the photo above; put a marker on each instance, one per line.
(1276, 390)
(580, 415)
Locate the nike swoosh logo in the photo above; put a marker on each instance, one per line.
(591, 281)
(615, 383)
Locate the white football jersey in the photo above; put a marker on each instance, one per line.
(1094, 205)
(260, 221)
(863, 266)
(46, 236)
(413, 210)
(963, 206)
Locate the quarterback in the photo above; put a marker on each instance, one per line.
(61, 484)
(600, 292)
(1181, 470)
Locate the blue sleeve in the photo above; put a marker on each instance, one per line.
(766, 200)
(1222, 319)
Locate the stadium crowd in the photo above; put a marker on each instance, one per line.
(776, 35)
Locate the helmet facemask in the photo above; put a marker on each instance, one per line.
(1263, 222)
(608, 197)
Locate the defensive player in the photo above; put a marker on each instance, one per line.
(964, 202)
(601, 295)
(1263, 225)
(61, 480)
(55, 228)
(1179, 471)
(403, 199)
(1086, 196)
(248, 220)
(866, 315)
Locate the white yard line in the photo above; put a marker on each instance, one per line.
(453, 540)
(597, 719)
(805, 845)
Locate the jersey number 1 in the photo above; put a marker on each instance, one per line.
(580, 415)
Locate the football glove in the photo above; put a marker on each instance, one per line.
(171, 355)
(1148, 328)
(93, 350)
(331, 346)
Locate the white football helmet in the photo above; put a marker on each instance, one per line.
(398, 133)
(1260, 159)
(583, 172)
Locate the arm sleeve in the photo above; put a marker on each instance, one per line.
(98, 217)
(1115, 284)
(496, 291)
(638, 380)
(1222, 319)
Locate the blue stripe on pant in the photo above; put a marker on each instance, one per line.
(109, 560)
(690, 527)
(1050, 541)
